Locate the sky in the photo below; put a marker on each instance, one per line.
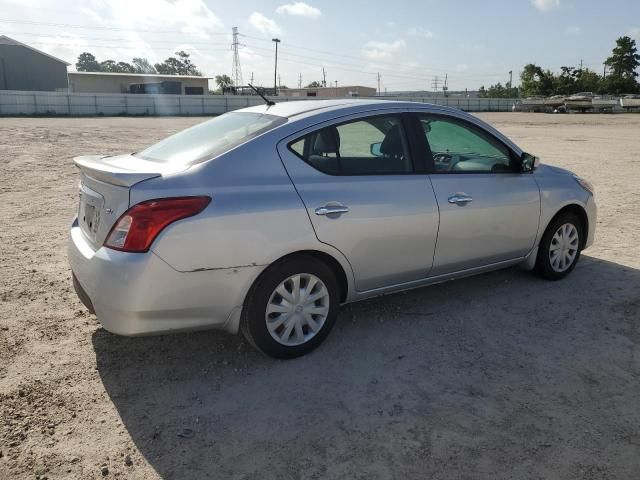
(409, 43)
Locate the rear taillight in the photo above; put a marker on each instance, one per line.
(138, 227)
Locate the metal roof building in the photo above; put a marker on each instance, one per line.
(25, 68)
(104, 82)
(330, 92)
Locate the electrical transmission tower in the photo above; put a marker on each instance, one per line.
(435, 83)
(236, 70)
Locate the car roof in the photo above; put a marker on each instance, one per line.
(293, 108)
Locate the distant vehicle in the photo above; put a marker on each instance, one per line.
(605, 103)
(630, 102)
(555, 101)
(579, 102)
(533, 104)
(265, 220)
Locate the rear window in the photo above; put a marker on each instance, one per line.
(211, 138)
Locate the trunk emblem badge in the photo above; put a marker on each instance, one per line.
(108, 211)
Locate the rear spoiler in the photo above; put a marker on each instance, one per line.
(122, 170)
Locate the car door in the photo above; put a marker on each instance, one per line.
(489, 208)
(358, 183)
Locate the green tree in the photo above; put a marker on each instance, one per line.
(482, 92)
(87, 63)
(124, 67)
(314, 84)
(109, 66)
(535, 81)
(223, 81)
(565, 83)
(499, 91)
(588, 81)
(179, 65)
(142, 65)
(624, 59)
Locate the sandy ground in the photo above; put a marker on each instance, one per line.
(498, 376)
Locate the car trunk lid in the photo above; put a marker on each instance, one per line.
(105, 184)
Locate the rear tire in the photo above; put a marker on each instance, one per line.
(559, 249)
(291, 308)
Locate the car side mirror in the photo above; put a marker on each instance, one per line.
(529, 162)
(375, 149)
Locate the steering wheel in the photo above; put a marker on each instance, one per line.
(442, 157)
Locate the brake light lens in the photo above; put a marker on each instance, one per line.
(138, 227)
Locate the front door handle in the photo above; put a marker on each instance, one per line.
(332, 209)
(460, 198)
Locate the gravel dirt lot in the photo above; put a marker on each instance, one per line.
(503, 375)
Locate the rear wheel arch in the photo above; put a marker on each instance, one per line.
(337, 269)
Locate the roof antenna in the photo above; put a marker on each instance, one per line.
(270, 103)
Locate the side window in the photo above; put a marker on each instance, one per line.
(369, 146)
(458, 148)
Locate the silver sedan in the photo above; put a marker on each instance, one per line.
(265, 220)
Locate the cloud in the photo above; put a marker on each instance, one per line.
(462, 67)
(634, 32)
(188, 16)
(264, 24)
(420, 32)
(300, 9)
(572, 30)
(545, 5)
(382, 50)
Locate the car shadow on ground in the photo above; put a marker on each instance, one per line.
(499, 374)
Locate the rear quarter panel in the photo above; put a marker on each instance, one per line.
(255, 216)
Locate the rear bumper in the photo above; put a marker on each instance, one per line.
(140, 294)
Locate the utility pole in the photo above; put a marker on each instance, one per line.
(336, 88)
(279, 82)
(300, 80)
(324, 78)
(445, 88)
(379, 92)
(275, 69)
(510, 78)
(251, 78)
(580, 64)
(236, 71)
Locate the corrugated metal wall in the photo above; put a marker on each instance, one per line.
(88, 104)
(21, 67)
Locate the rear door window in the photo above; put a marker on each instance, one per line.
(367, 146)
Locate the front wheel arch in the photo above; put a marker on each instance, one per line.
(579, 212)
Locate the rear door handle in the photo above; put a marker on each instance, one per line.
(332, 209)
(460, 198)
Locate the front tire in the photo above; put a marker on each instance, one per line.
(291, 308)
(559, 249)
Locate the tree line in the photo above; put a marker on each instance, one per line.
(181, 64)
(618, 78)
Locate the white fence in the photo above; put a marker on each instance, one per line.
(13, 103)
